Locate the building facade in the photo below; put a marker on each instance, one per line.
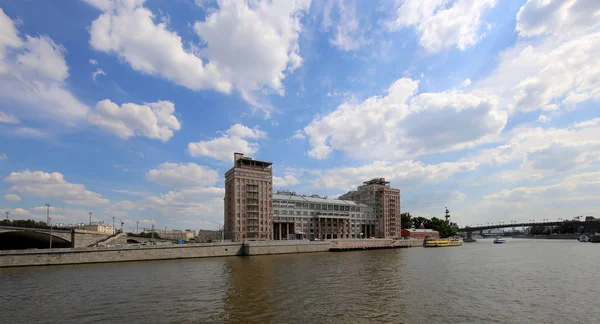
(100, 228)
(420, 233)
(385, 202)
(315, 217)
(248, 200)
(186, 235)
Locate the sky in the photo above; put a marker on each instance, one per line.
(133, 108)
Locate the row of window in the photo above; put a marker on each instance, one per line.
(291, 204)
(254, 175)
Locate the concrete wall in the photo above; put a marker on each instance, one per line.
(82, 238)
(285, 247)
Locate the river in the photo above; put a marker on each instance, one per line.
(522, 281)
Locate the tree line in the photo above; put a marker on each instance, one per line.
(440, 225)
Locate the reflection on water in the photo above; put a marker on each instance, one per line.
(522, 281)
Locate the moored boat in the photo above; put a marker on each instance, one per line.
(499, 241)
(583, 238)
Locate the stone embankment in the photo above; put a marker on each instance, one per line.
(128, 253)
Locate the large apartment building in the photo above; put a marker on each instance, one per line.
(385, 202)
(248, 200)
(315, 217)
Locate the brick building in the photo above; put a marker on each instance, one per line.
(385, 202)
(248, 200)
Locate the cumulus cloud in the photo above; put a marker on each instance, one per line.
(402, 124)
(571, 17)
(401, 174)
(16, 213)
(3, 156)
(93, 62)
(153, 120)
(32, 78)
(261, 47)
(441, 25)
(53, 185)
(238, 138)
(543, 118)
(8, 118)
(179, 176)
(12, 197)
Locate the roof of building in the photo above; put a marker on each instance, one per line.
(321, 200)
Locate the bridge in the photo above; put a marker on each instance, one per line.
(18, 238)
(469, 230)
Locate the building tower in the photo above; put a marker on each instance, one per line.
(248, 200)
(385, 201)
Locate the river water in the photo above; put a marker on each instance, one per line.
(522, 281)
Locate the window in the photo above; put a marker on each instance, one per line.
(335, 207)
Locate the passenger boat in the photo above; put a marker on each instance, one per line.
(499, 240)
(441, 242)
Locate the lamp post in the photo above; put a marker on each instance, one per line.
(137, 229)
(48, 221)
(7, 213)
(113, 218)
(90, 217)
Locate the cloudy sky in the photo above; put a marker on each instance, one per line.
(133, 108)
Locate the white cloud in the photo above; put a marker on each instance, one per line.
(179, 176)
(441, 25)
(466, 83)
(53, 185)
(9, 38)
(189, 203)
(12, 197)
(349, 36)
(153, 49)
(32, 81)
(263, 43)
(29, 132)
(3, 156)
(261, 46)
(154, 120)
(543, 118)
(8, 118)
(285, 181)
(526, 141)
(98, 72)
(546, 74)
(402, 174)
(238, 138)
(298, 135)
(569, 17)
(402, 124)
(14, 212)
(93, 62)
(588, 123)
(64, 215)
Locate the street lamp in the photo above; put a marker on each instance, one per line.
(7, 213)
(113, 224)
(91, 217)
(48, 221)
(137, 229)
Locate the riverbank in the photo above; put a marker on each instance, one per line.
(23, 258)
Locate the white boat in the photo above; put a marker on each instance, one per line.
(583, 238)
(499, 241)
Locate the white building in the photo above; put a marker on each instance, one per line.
(310, 217)
(101, 228)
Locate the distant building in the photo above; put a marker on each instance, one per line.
(310, 217)
(248, 194)
(100, 228)
(207, 236)
(420, 233)
(385, 202)
(186, 235)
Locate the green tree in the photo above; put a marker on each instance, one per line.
(405, 220)
(418, 221)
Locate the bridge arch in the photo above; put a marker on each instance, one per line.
(22, 240)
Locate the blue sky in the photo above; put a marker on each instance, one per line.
(134, 108)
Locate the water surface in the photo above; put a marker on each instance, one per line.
(523, 281)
